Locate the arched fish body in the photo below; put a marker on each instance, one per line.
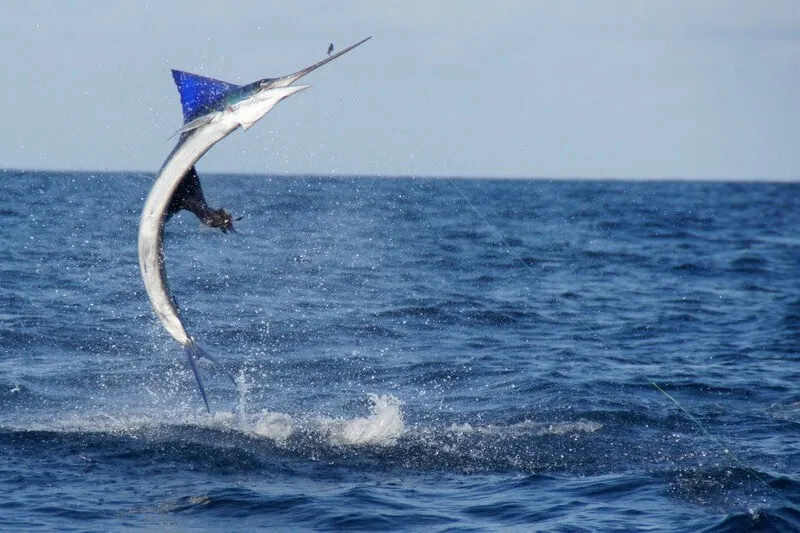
(212, 109)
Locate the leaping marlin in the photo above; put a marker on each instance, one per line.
(212, 109)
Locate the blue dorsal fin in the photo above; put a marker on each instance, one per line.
(199, 94)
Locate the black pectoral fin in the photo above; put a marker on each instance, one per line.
(189, 196)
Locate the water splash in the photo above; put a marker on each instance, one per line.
(275, 426)
(382, 428)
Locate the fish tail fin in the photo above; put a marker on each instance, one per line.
(194, 352)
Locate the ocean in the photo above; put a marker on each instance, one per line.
(410, 354)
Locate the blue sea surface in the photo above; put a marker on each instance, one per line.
(410, 354)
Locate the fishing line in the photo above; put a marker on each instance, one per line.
(721, 445)
(685, 411)
(490, 226)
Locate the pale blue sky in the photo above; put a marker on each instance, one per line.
(618, 88)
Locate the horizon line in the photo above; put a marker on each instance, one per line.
(335, 175)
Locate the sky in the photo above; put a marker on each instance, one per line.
(687, 89)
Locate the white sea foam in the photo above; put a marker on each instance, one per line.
(276, 426)
(382, 428)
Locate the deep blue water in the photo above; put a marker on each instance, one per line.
(412, 354)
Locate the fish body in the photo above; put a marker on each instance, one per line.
(212, 110)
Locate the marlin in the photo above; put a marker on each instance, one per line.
(212, 109)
